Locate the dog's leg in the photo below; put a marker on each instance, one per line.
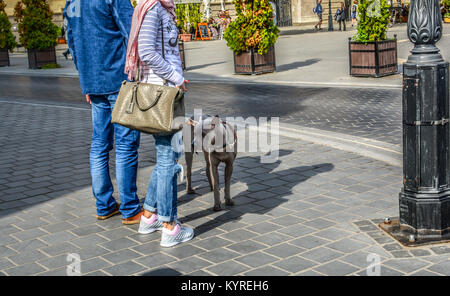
(228, 173)
(208, 169)
(189, 158)
(215, 180)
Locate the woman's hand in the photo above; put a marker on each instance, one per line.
(183, 86)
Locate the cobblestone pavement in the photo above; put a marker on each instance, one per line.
(368, 113)
(313, 212)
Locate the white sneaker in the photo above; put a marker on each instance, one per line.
(179, 234)
(149, 225)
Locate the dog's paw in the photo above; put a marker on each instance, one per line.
(229, 202)
(217, 208)
(191, 191)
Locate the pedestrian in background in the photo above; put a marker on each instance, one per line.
(153, 48)
(340, 16)
(64, 34)
(318, 10)
(97, 33)
(354, 12)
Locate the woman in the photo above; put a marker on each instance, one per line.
(354, 12)
(153, 30)
(340, 16)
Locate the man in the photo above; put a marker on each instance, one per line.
(318, 11)
(97, 36)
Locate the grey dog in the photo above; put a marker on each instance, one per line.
(219, 144)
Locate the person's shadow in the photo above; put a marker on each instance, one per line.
(262, 204)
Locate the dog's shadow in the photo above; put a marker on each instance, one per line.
(261, 201)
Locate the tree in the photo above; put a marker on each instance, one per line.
(36, 29)
(253, 27)
(7, 39)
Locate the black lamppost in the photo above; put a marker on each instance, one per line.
(330, 17)
(425, 196)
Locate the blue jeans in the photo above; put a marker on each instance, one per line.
(162, 190)
(127, 144)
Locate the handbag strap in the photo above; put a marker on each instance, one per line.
(163, 51)
(138, 73)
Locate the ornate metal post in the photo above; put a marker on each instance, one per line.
(330, 17)
(425, 196)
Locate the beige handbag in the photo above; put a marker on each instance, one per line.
(149, 108)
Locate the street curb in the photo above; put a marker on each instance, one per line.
(382, 151)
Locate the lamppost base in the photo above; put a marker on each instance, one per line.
(424, 215)
(410, 237)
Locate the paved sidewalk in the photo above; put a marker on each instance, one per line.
(313, 212)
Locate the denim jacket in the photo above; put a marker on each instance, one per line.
(97, 32)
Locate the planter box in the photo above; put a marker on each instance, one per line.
(446, 19)
(4, 57)
(39, 58)
(251, 62)
(185, 37)
(374, 59)
(182, 57)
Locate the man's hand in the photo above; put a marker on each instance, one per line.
(88, 99)
(183, 86)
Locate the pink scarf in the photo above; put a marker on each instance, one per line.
(141, 9)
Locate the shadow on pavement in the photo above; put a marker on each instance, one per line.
(267, 204)
(162, 272)
(203, 66)
(296, 65)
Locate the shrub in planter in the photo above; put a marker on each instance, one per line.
(37, 32)
(370, 52)
(182, 22)
(194, 16)
(252, 36)
(446, 11)
(7, 39)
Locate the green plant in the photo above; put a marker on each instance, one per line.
(180, 12)
(446, 4)
(446, 8)
(7, 39)
(194, 16)
(253, 27)
(36, 29)
(373, 20)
